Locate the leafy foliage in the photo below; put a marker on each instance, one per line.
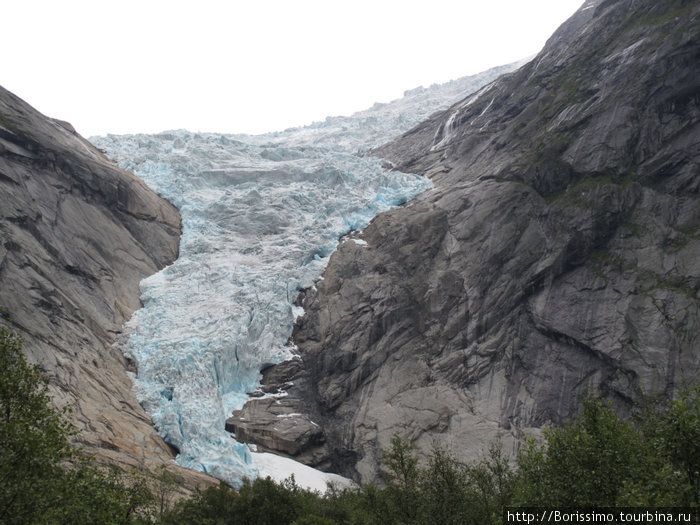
(42, 478)
(585, 463)
(679, 436)
(258, 502)
(601, 460)
(33, 437)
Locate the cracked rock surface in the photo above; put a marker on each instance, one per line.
(77, 234)
(559, 251)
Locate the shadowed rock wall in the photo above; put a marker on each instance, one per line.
(558, 252)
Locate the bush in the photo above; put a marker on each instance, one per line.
(33, 437)
(679, 438)
(601, 460)
(42, 478)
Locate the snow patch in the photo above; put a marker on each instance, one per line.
(298, 312)
(279, 468)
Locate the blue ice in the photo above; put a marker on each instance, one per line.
(260, 219)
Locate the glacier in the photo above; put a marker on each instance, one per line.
(261, 215)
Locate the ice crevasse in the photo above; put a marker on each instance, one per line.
(261, 214)
(260, 217)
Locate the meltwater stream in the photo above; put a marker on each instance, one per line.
(261, 215)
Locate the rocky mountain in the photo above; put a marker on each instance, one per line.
(77, 234)
(260, 216)
(558, 252)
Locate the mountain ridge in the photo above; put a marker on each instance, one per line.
(557, 252)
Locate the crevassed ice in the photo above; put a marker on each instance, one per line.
(261, 214)
(259, 222)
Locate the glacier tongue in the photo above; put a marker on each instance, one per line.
(259, 222)
(261, 214)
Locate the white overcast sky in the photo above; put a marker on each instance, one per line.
(251, 66)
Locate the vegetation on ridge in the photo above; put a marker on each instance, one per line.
(597, 459)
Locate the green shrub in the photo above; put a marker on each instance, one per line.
(42, 478)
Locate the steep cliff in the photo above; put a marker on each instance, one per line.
(77, 236)
(558, 251)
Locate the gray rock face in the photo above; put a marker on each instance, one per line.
(559, 251)
(275, 422)
(77, 235)
(276, 425)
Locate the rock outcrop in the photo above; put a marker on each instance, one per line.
(77, 236)
(558, 251)
(275, 422)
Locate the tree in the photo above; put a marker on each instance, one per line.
(164, 488)
(444, 495)
(42, 478)
(585, 463)
(402, 494)
(490, 486)
(599, 459)
(672, 431)
(34, 437)
(680, 434)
